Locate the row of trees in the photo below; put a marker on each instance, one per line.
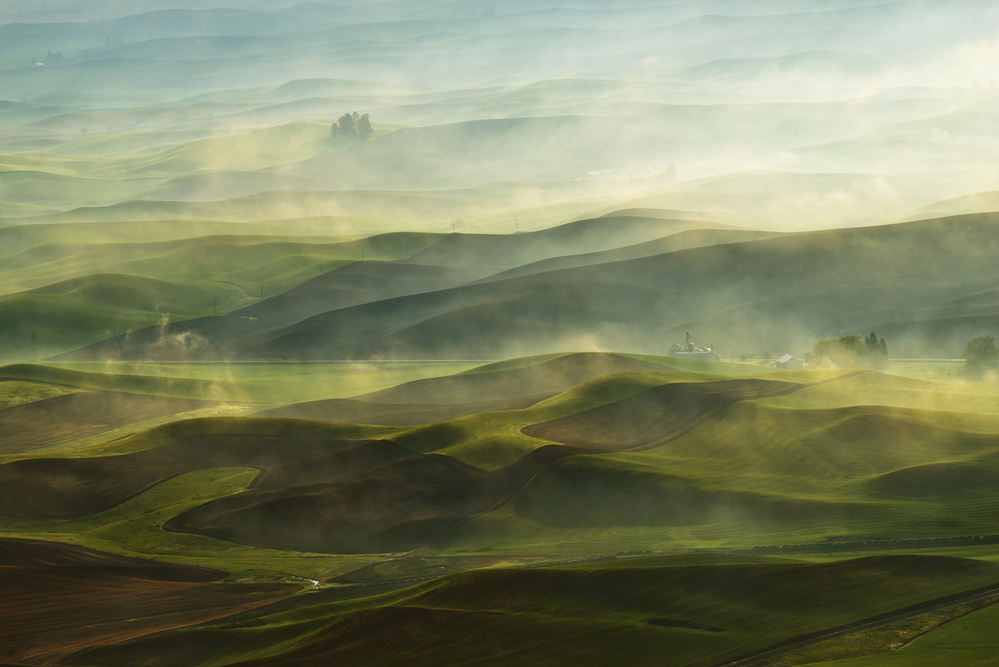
(981, 355)
(850, 351)
(351, 126)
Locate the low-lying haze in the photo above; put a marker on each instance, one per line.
(215, 121)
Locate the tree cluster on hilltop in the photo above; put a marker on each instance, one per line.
(850, 352)
(351, 126)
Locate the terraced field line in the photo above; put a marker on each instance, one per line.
(842, 631)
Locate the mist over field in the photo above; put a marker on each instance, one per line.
(465, 332)
(486, 121)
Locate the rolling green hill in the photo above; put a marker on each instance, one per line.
(279, 261)
(158, 282)
(751, 288)
(644, 458)
(490, 388)
(653, 461)
(137, 384)
(644, 304)
(65, 314)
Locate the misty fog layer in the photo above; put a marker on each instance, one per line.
(164, 163)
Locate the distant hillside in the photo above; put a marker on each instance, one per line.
(483, 390)
(784, 292)
(789, 291)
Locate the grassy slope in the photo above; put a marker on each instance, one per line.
(700, 234)
(495, 439)
(157, 282)
(534, 375)
(751, 474)
(451, 261)
(439, 263)
(75, 312)
(643, 614)
(275, 262)
(870, 388)
(19, 237)
(135, 527)
(969, 640)
(346, 213)
(791, 468)
(172, 432)
(21, 392)
(412, 331)
(625, 304)
(799, 473)
(500, 386)
(267, 384)
(138, 384)
(59, 420)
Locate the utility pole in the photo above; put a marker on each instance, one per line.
(516, 221)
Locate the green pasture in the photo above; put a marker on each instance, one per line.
(20, 392)
(259, 382)
(846, 468)
(772, 471)
(928, 369)
(247, 263)
(493, 440)
(102, 377)
(18, 237)
(135, 528)
(74, 313)
(56, 296)
(969, 640)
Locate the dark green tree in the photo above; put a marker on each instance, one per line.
(348, 128)
(844, 351)
(364, 127)
(980, 354)
(850, 352)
